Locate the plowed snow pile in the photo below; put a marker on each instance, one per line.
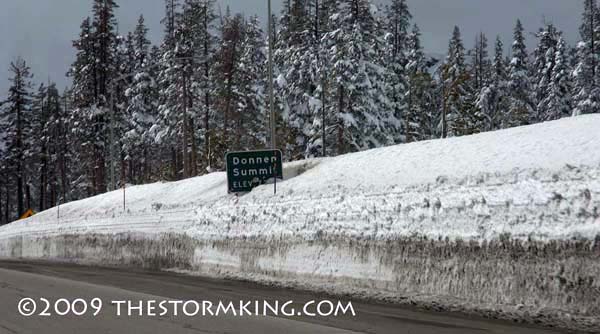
(475, 187)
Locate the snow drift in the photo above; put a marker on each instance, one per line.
(507, 222)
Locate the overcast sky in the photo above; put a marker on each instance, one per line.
(41, 31)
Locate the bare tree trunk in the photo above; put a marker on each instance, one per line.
(194, 153)
(20, 205)
(206, 93)
(174, 163)
(145, 173)
(7, 206)
(43, 180)
(185, 129)
(593, 46)
(124, 166)
(340, 139)
(207, 128)
(62, 159)
(101, 172)
(2, 222)
(20, 156)
(27, 196)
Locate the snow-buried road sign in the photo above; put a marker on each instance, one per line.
(247, 170)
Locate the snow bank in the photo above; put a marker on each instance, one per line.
(436, 221)
(536, 182)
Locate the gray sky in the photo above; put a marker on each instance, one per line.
(41, 31)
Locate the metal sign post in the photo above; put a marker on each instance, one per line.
(271, 97)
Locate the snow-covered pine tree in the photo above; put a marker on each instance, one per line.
(195, 43)
(586, 91)
(94, 68)
(167, 130)
(364, 117)
(557, 102)
(493, 97)
(590, 34)
(5, 181)
(204, 85)
(227, 93)
(586, 96)
(177, 110)
(250, 111)
(397, 25)
(142, 106)
(186, 84)
(106, 69)
(83, 96)
(16, 119)
(39, 164)
(543, 67)
(296, 57)
(46, 169)
(480, 66)
(4, 178)
(480, 69)
(4, 184)
(125, 59)
(457, 113)
(60, 152)
(321, 132)
(520, 108)
(421, 118)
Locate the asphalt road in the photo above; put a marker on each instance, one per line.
(20, 280)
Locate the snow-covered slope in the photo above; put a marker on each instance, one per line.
(457, 187)
(505, 222)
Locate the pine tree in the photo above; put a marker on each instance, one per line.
(480, 64)
(586, 91)
(167, 130)
(557, 101)
(142, 98)
(480, 73)
(186, 85)
(397, 24)
(94, 69)
(175, 87)
(586, 98)
(60, 152)
(520, 108)
(170, 21)
(38, 167)
(16, 118)
(296, 57)
(363, 117)
(543, 68)
(250, 113)
(203, 76)
(493, 98)
(457, 117)
(421, 118)
(320, 132)
(82, 71)
(590, 34)
(226, 72)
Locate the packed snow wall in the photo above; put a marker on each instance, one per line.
(554, 283)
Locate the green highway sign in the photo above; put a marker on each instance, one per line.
(248, 170)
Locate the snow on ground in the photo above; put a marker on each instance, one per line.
(504, 224)
(475, 187)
